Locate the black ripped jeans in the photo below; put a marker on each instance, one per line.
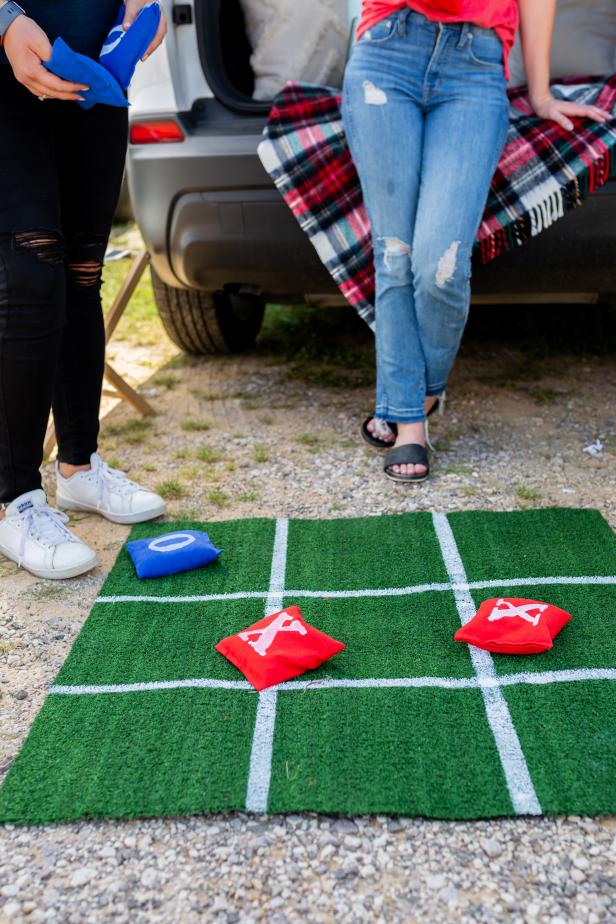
(60, 175)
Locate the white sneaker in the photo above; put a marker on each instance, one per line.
(33, 534)
(109, 492)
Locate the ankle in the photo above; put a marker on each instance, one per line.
(66, 470)
(411, 433)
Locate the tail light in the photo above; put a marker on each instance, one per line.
(159, 132)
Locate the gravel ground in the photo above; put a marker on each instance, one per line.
(277, 434)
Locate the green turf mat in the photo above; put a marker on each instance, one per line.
(146, 718)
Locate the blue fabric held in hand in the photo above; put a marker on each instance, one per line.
(111, 75)
(70, 65)
(172, 553)
(123, 49)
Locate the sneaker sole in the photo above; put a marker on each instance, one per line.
(143, 517)
(55, 574)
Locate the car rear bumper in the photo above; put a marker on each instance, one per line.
(210, 216)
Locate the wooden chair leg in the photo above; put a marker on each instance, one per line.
(129, 394)
(125, 293)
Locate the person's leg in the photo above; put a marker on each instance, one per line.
(383, 122)
(465, 129)
(32, 285)
(32, 314)
(91, 148)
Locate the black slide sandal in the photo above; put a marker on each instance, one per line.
(374, 441)
(409, 454)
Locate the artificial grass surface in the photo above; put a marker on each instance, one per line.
(363, 733)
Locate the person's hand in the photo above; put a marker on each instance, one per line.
(132, 9)
(559, 110)
(26, 47)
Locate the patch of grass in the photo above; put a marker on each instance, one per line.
(7, 647)
(314, 443)
(190, 424)
(248, 497)
(183, 453)
(114, 462)
(545, 396)
(167, 380)
(188, 513)
(205, 454)
(218, 497)
(171, 489)
(134, 430)
(525, 493)
(458, 470)
(190, 472)
(308, 439)
(470, 491)
(46, 592)
(149, 467)
(230, 466)
(260, 454)
(266, 421)
(184, 361)
(209, 395)
(251, 404)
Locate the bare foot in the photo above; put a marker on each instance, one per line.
(380, 430)
(410, 433)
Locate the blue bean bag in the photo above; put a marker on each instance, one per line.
(111, 75)
(172, 553)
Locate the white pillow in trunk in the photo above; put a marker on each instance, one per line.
(295, 40)
(584, 41)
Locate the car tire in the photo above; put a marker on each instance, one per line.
(203, 323)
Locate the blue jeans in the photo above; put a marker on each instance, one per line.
(426, 114)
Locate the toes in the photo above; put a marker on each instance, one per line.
(381, 430)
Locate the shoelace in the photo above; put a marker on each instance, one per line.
(112, 480)
(46, 524)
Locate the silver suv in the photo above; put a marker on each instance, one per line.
(223, 242)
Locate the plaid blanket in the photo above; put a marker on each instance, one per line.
(544, 171)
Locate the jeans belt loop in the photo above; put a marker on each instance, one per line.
(466, 35)
(402, 18)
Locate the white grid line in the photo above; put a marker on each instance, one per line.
(260, 773)
(598, 579)
(532, 678)
(519, 783)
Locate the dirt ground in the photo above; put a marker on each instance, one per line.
(275, 432)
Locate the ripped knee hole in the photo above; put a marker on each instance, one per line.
(447, 265)
(46, 246)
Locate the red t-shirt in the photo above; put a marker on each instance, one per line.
(500, 15)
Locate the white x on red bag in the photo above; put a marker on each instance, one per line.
(278, 648)
(512, 625)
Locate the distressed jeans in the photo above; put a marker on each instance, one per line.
(426, 115)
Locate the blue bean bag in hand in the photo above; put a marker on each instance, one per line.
(112, 74)
(123, 49)
(172, 553)
(70, 65)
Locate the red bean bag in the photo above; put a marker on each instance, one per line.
(278, 648)
(512, 625)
